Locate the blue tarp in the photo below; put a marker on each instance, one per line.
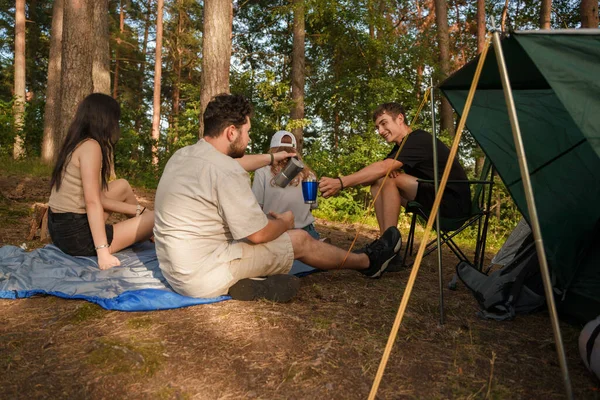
(137, 285)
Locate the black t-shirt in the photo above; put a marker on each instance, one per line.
(417, 160)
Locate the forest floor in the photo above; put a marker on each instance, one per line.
(325, 344)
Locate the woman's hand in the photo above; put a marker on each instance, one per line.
(107, 260)
(282, 155)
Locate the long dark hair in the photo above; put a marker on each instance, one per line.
(97, 118)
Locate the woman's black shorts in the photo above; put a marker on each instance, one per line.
(71, 233)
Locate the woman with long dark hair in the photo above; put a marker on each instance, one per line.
(82, 198)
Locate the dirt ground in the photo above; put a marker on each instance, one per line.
(325, 344)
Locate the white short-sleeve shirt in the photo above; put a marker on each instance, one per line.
(203, 207)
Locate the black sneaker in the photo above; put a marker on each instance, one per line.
(278, 288)
(381, 252)
(396, 264)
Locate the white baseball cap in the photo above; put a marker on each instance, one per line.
(279, 135)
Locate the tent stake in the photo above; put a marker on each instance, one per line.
(535, 225)
(437, 217)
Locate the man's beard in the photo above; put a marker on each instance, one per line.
(236, 149)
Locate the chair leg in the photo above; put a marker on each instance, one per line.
(411, 237)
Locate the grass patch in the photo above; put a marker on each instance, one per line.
(118, 357)
(139, 323)
(27, 166)
(87, 312)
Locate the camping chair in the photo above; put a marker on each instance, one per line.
(450, 227)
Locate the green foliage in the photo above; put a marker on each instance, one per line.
(7, 132)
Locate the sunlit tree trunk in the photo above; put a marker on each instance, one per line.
(503, 18)
(101, 41)
(52, 108)
(121, 29)
(441, 18)
(589, 13)
(139, 117)
(85, 56)
(77, 59)
(298, 71)
(157, 77)
(545, 10)
(216, 52)
(19, 78)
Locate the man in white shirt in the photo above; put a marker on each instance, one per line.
(212, 238)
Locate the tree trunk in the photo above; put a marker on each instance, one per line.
(441, 18)
(19, 78)
(84, 67)
(101, 40)
(177, 64)
(545, 10)
(157, 77)
(503, 19)
(121, 29)
(216, 52)
(480, 25)
(298, 71)
(52, 108)
(589, 13)
(139, 117)
(33, 46)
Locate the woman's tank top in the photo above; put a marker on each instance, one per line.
(70, 196)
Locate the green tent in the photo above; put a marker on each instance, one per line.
(555, 79)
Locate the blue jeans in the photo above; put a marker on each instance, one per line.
(310, 228)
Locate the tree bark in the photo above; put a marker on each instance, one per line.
(157, 77)
(139, 117)
(216, 53)
(480, 25)
(298, 71)
(503, 19)
(121, 29)
(85, 57)
(52, 108)
(19, 78)
(101, 40)
(545, 10)
(441, 18)
(589, 13)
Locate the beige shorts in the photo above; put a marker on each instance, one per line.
(272, 258)
(231, 262)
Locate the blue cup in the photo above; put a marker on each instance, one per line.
(310, 186)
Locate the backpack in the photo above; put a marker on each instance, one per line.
(516, 288)
(589, 346)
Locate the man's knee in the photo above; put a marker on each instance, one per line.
(301, 240)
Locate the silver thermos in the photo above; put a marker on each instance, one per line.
(289, 172)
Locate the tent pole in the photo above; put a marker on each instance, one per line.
(434, 209)
(535, 224)
(436, 184)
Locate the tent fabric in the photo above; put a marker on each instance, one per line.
(137, 285)
(554, 80)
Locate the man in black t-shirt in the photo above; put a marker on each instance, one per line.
(416, 161)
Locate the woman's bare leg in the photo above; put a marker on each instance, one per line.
(120, 190)
(131, 231)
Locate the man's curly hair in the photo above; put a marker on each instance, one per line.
(393, 109)
(223, 110)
